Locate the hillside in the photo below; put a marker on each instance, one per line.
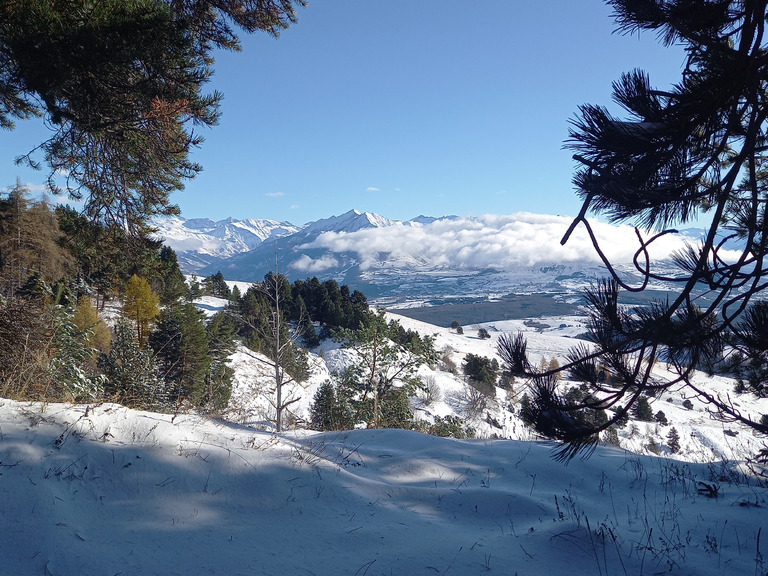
(108, 490)
(702, 439)
(104, 489)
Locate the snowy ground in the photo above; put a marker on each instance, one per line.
(108, 490)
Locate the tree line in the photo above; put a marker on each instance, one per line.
(62, 274)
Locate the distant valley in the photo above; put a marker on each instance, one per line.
(485, 268)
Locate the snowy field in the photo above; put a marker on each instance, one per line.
(107, 490)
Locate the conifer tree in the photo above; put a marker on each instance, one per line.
(131, 373)
(235, 295)
(171, 284)
(86, 319)
(180, 345)
(643, 410)
(329, 411)
(673, 440)
(512, 350)
(29, 241)
(72, 364)
(384, 366)
(120, 84)
(140, 305)
(695, 150)
(221, 344)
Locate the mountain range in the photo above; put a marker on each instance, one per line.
(425, 259)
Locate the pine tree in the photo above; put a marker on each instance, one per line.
(673, 440)
(693, 151)
(526, 414)
(329, 411)
(172, 286)
(72, 365)
(384, 365)
(29, 242)
(131, 372)
(480, 371)
(221, 344)
(121, 85)
(643, 410)
(514, 356)
(235, 296)
(305, 327)
(180, 345)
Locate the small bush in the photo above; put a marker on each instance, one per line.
(611, 436)
(447, 364)
(475, 402)
(450, 427)
(429, 391)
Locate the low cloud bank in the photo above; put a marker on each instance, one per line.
(502, 242)
(314, 266)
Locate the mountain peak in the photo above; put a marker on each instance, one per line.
(350, 221)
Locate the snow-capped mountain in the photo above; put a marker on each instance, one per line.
(423, 258)
(351, 221)
(201, 242)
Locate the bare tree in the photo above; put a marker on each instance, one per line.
(281, 341)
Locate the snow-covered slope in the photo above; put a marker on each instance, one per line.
(201, 242)
(107, 490)
(102, 489)
(702, 439)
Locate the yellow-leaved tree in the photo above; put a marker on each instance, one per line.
(141, 305)
(86, 319)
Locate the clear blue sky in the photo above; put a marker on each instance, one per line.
(403, 107)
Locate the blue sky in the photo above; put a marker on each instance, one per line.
(403, 107)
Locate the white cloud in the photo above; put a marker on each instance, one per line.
(37, 188)
(502, 242)
(274, 194)
(314, 265)
(372, 189)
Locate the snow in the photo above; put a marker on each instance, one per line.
(702, 439)
(108, 490)
(221, 238)
(211, 305)
(103, 489)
